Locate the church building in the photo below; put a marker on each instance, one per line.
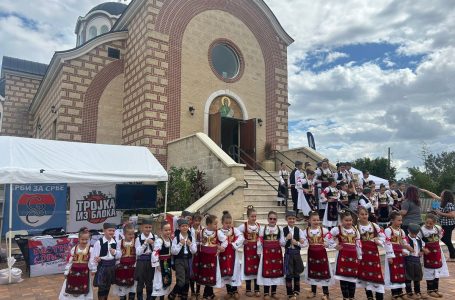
(155, 71)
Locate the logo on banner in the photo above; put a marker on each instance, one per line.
(35, 209)
(96, 207)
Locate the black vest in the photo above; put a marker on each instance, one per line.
(365, 198)
(141, 241)
(419, 241)
(292, 177)
(296, 236)
(182, 254)
(104, 247)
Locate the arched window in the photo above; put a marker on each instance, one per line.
(104, 29)
(92, 32)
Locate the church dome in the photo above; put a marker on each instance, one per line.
(113, 8)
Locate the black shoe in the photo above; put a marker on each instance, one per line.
(139, 296)
(131, 296)
(122, 297)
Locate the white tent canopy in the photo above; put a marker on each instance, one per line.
(24, 160)
(377, 180)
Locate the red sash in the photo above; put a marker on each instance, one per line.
(397, 269)
(78, 279)
(433, 260)
(347, 263)
(124, 271)
(272, 261)
(227, 261)
(208, 262)
(370, 265)
(318, 263)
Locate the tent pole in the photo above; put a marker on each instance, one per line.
(165, 198)
(10, 221)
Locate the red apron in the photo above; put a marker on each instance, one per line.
(370, 265)
(272, 261)
(78, 279)
(347, 262)
(124, 271)
(208, 260)
(227, 258)
(318, 263)
(195, 258)
(433, 260)
(250, 255)
(397, 268)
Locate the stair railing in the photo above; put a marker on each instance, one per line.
(291, 165)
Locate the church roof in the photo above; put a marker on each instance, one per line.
(23, 66)
(2, 87)
(113, 8)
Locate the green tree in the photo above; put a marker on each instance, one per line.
(378, 166)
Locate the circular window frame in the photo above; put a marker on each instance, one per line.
(238, 53)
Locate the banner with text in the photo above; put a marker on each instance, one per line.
(36, 207)
(49, 255)
(91, 206)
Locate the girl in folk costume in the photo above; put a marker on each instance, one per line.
(212, 243)
(270, 272)
(347, 240)
(292, 241)
(317, 273)
(250, 230)
(104, 256)
(282, 185)
(385, 204)
(308, 186)
(144, 247)
(124, 270)
(161, 261)
(434, 261)
(370, 273)
(302, 202)
(330, 196)
(393, 193)
(344, 196)
(77, 284)
(230, 258)
(195, 230)
(396, 245)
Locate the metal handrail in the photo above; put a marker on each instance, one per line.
(239, 151)
(285, 156)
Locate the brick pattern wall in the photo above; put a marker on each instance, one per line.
(19, 93)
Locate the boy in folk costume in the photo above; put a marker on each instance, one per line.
(317, 273)
(182, 249)
(370, 272)
(365, 201)
(212, 243)
(195, 230)
(104, 256)
(385, 203)
(393, 193)
(283, 177)
(414, 272)
(77, 284)
(144, 248)
(347, 240)
(124, 270)
(270, 273)
(161, 261)
(230, 258)
(330, 196)
(396, 246)
(292, 241)
(434, 261)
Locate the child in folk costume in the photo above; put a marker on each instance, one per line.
(317, 273)
(230, 258)
(393, 193)
(396, 244)
(344, 196)
(124, 270)
(414, 272)
(365, 201)
(292, 241)
(182, 250)
(308, 186)
(144, 248)
(330, 196)
(195, 230)
(104, 256)
(347, 240)
(161, 261)
(77, 284)
(270, 272)
(212, 243)
(434, 261)
(385, 204)
(282, 185)
(370, 273)
(302, 203)
(250, 230)
(323, 173)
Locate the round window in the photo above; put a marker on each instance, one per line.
(225, 61)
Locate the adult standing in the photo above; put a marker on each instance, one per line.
(292, 182)
(446, 214)
(410, 208)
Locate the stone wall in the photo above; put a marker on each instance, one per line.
(304, 154)
(19, 93)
